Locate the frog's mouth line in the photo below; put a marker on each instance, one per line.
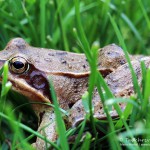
(23, 88)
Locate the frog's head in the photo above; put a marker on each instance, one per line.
(25, 77)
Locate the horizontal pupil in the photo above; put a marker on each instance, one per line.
(18, 64)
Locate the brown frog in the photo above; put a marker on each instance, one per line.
(29, 68)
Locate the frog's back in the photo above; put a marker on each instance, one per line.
(47, 60)
(62, 62)
(120, 81)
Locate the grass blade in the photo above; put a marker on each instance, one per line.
(132, 27)
(79, 134)
(86, 143)
(144, 13)
(146, 91)
(15, 123)
(62, 29)
(134, 78)
(42, 22)
(59, 120)
(92, 59)
(30, 23)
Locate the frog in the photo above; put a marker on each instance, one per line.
(30, 67)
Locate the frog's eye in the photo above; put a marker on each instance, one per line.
(18, 65)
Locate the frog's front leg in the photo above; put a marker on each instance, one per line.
(47, 128)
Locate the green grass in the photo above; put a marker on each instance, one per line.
(80, 26)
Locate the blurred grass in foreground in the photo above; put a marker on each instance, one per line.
(50, 24)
